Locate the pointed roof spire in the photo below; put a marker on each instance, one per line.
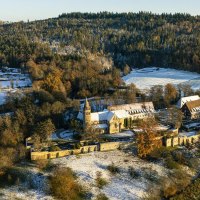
(87, 105)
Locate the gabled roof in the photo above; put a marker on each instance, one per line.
(184, 100)
(121, 114)
(131, 107)
(99, 116)
(80, 116)
(110, 116)
(194, 106)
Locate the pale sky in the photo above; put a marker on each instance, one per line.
(16, 10)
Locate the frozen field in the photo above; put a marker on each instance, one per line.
(120, 186)
(148, 77)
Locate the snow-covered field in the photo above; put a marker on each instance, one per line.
(23, 191)
(148, 77)
(16, 193)
(120, 186)
(12, 82)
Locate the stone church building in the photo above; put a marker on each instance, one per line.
(114, 118)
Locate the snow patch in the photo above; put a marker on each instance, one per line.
(147, 77)
(120, 186)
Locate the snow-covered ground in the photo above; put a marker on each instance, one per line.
(11, 81)
(23, 191)
(160, 127)
(148, 77)
(121, 134)
(16, 83)
(2, 97)
(120, 186)
(13, 193)
(63, 134)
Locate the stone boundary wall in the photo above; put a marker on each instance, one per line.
(179, 141)
(85, 149)
(109, 146)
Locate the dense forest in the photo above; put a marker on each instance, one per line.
(87, 52)
(142, 39)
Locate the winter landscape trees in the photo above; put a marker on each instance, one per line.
(79, 55)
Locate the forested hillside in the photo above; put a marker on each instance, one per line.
(85, 52)
(141, 39)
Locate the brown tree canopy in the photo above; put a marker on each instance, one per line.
(148, 139)
(170, 94)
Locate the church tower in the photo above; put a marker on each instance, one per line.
(87, 115)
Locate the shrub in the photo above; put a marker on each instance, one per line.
(13, 176)
(41, 164)
(179, 157)
(1, 194)
(191, 192)
(193, 163)
(134, 173)
(54, 148)
(77, 137)
(151, 175)
(77, 146)
(159, 153)
(171, 164)
(45, 165)
(113, 169)
(101, 182)
(169, 191)
(50, 166)
(101, 196)
(180, 178)
(64, 186)
(153, 194)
